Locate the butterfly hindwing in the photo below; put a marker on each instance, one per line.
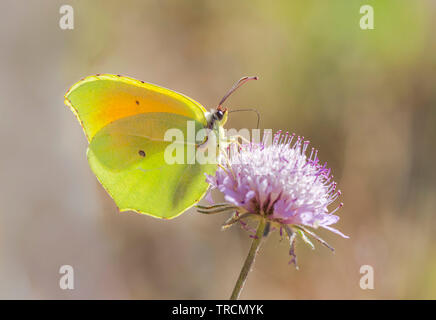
(128, 158)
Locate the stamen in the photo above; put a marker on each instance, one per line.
(337, 208)
(306, 143)
(277, 136)
(287, 138)
(311, 153)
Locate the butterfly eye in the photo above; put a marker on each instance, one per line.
(219, 115)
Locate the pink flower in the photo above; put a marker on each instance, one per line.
(280, 183)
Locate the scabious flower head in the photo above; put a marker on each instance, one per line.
(282, 183)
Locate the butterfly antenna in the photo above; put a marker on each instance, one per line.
(252, 110)
(233, 89)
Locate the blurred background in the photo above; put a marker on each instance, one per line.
(365, 98)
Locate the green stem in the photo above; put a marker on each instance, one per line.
(255, 245)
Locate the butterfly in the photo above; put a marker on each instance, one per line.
(125, 122)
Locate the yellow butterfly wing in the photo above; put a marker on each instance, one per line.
(101, 99)
(125, 121)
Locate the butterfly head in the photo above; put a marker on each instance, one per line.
(218, 117)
